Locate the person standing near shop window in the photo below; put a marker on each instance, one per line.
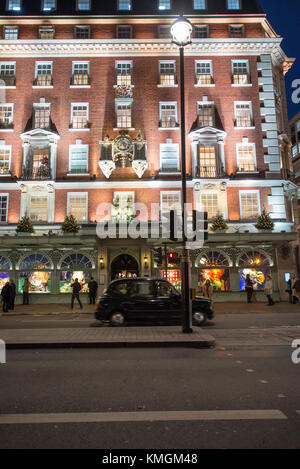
(26, 288)
(249, 288)
(12, 295)
(269, 290)
(93, 287)
(76, 287)
(5, 293)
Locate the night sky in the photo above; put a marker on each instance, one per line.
(284, 16)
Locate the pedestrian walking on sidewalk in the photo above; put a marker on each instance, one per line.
(294, 293)
(5, 293)
(208, 289)
(269, 290)
(296, 288)
(93, 287)
(12, 295)
(288, 288)
(76, 287)
(249, 288)
(26, 288)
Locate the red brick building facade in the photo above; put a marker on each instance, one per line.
(90, 113)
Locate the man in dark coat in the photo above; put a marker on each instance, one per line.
(93, 287)
(76, 287)
(12, 295)
(6, 295)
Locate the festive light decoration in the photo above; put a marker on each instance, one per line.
(25, 225)
(70, 225)
(218, 223)
(264, 222)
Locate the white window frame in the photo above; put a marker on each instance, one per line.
(240, 26)
(206, 193)
(128, 194)
(172, 62)
(74, 146)
(125, 63)
(82, 26)
(203, 26)
(253, 191)
(81, 62)
(209, 104)
(229, 3)
(251, 114)
(204, 3)
(37, 64)
(14, 75)
(161, 146)
(129, 8)
(14, 8)
(168, 103)
(162, 193)
(5, 194)
(36, 105)
(76, 194)
(248, 72)
(82, 9)
(53, 8)
(209, 85)
(162, 7)
(241, 145)
(42, 195)
(83, 129)
(12, 116)
(14, 28)
(124, 102)
(6, 147)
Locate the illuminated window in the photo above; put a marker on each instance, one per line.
(204, 75)
(167, 73)
(170, 200)
(243, 114)
(41, 116)
(83, 5)
(123, 115)
(199, 4)
(249, 205)
(8, 73)
(206, 114)
(124, 73)
(207, 161)
(164, 4)
(49, 5)
(6, 116)
(246, 157)
(5, 152)
(240, 72)
(123, 206)
(78, 205)
(168, 115)
(38, 208)
(79, 116)
(46, 32)
(80, 73)
(10, 32)
(124, 5)
(14, 5)
(209, 203)
(3, 207)
(43, 74)
(233, 4)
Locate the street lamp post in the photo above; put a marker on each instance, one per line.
(181, 33)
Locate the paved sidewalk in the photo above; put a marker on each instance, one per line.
(106, 337)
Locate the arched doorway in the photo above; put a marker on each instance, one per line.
(124, 266)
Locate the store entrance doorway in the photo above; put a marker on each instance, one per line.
(124, 266)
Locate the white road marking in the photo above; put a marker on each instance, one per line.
(103, 417)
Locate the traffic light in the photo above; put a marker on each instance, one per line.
(157, 256)
(173, 259)
(200, 225)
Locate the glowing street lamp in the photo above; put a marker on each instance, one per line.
(181, 33)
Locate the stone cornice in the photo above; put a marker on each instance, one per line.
(141, 47)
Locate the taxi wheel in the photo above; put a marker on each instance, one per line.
(117, 319)
(199, 318)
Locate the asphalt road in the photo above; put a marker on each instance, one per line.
(151, 388)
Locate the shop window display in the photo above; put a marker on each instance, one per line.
(40, 282)
(219, 278)
(258, 277)
(4, 274)
(4, 277)
(68, 277)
